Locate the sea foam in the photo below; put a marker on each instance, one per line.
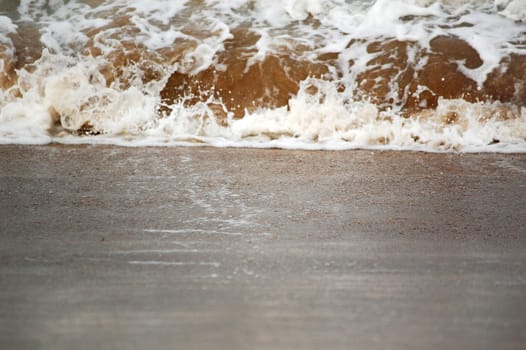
(331, 74)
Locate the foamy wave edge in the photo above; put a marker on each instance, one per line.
(67, 97)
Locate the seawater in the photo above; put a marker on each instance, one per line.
(299, 74)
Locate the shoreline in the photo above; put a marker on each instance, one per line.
(197, 143)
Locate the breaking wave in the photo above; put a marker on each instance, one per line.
(330, 74)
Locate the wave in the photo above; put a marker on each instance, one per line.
(332, 74)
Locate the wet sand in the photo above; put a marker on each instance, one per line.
(199, 248)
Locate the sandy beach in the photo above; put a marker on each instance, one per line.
(104, 247)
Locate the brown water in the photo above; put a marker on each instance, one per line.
(431, 75)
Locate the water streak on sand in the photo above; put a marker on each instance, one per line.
(194, 231)
(173, 263)
(333, 74)
(156, 251)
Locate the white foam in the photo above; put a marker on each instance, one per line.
(514, 9)
(68, 84)
(7, 25)
(6, 44)
(335, 124)
(486, 38)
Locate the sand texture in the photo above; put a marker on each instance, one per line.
(201, 248)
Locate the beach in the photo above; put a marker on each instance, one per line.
(313, 174)
(106, 247)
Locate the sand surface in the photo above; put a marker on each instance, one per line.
(199, 248)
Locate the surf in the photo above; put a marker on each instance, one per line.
(401, 75)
